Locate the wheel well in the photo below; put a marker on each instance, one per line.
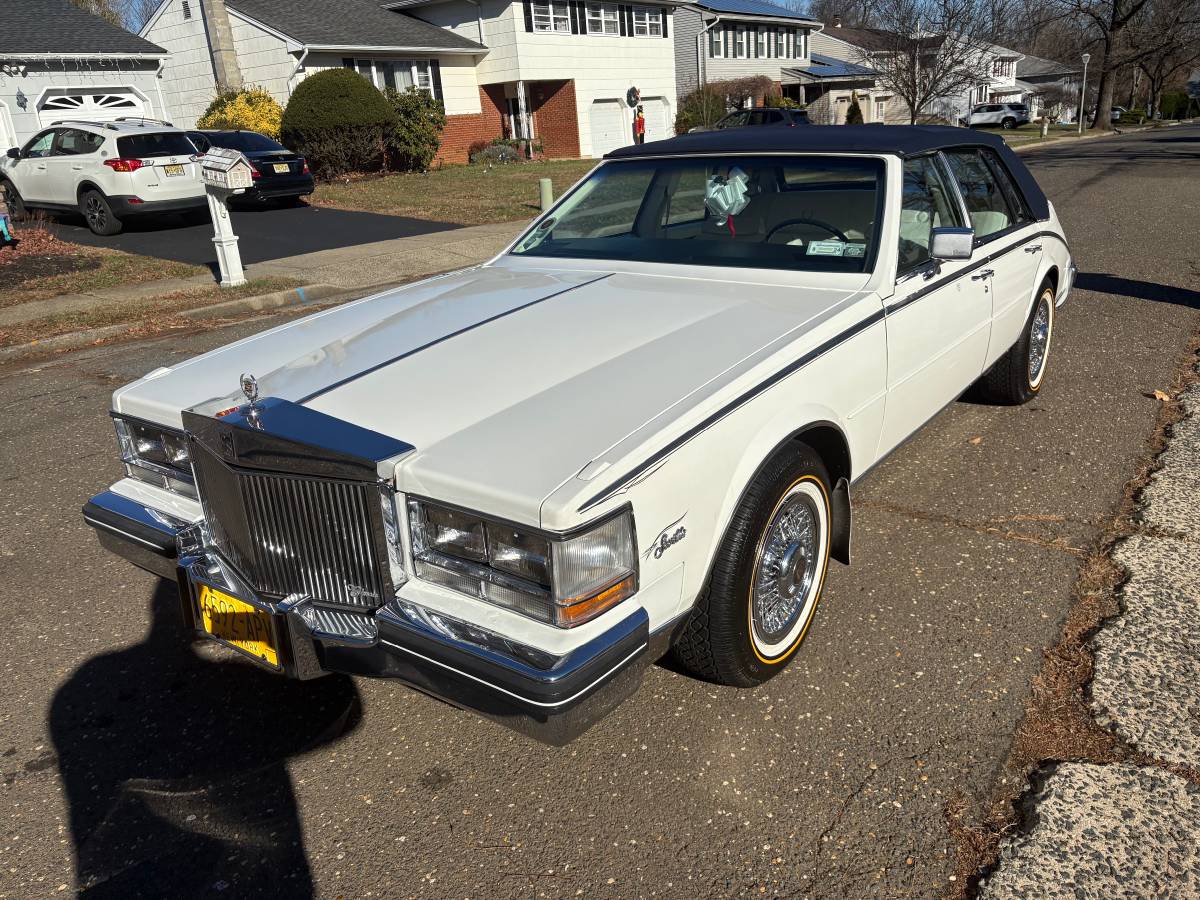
(87, 186)
(830, 444)
(1052, 277)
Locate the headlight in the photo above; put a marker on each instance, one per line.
(155, 455)
(561, 580)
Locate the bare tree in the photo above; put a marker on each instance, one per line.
(1169, 39)
(929, 50)
(105, 9)
(850, 13)
(128, 14)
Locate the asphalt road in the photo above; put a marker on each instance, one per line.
(264, 233)
(141, 767)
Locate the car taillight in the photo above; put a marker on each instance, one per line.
(124, 165)
(304, 170)
(255, 174)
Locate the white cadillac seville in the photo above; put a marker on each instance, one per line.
(632, 432)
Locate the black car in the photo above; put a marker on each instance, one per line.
(762, 115)
(279, 174)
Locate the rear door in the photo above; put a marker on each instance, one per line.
(938, 320)
(76, 152)
(167, 171)
(1001, 218)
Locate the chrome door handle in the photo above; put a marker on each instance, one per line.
(985, 273)
(1034, 248)
(76, 168)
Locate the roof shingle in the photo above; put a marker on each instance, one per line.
(753, 8)
(56, 26)
(349, 23)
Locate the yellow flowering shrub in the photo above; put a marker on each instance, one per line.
(250, 109)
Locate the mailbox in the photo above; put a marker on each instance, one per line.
(225, 173)
(226, 169)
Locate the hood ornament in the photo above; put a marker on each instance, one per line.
(250, 389)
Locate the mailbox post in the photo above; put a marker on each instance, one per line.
(225, 173)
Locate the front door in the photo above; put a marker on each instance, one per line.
(31, 174)
(938, 320)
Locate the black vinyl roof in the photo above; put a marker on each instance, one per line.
(894, 140)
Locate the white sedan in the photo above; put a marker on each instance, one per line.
(635, 431)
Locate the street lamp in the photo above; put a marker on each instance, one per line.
(1083, 90)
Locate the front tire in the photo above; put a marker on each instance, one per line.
(1008, 124)
(12, 199)
(99, 215)
(1017, 376)
(767, 577)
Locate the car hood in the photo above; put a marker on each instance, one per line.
(507, 382)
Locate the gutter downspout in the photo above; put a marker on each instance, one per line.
(296, 70)
(162, 65)
(701, 73)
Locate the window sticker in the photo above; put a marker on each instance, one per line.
(856, 250)
(826, 248)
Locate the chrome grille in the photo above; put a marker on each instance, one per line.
(291, 534)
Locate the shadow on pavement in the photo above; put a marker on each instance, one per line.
(174, 766)
(1138, 290)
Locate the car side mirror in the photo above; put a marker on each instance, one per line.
(14, 152)
(952, 243)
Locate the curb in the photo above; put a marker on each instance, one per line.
(1037, 145)
(301, 296)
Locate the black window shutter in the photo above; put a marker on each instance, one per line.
(528, 14)
(573, 16)
(435, 75)
(621, 13)
(663, 12)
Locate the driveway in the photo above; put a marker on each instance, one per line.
(264, 234)
(133, 763)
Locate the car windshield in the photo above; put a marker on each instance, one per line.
(814, 213)
(245, 141)
(163, 143)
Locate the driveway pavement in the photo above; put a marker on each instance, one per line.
(264, 234)
(133, 764)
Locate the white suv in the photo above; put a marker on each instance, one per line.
(1006, 115)
(106, 171)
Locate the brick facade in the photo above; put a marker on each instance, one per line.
(555, 121)
(463, 132)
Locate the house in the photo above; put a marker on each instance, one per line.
(566, 76)
(717, 40)
(59, 62)
(1049, 87)
(274, 44)
(841, 72)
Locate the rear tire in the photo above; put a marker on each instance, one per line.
(12, 199)
(1018, 375)
(767, 577)
(94, 207)
(1008, 124)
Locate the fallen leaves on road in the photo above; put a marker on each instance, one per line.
(1159, 395)
(976, 441)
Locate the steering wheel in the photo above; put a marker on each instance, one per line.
(819, 224)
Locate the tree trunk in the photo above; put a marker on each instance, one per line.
(1102, 120)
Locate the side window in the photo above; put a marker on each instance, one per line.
(41, 146)
(74, 142)
(986, 204)
(926, 203)
(1012, 193)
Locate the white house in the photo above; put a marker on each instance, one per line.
(565, 75)
(58, 62)
(840, 72)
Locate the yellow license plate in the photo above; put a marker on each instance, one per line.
(174, 169)
(238, 624)
(282, 168)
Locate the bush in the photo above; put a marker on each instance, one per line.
(700, 108)
(1174, 104)
(854, 112)
(778, 101)
(497, 152)
(250, 109)
(418, 133)
(340, 122)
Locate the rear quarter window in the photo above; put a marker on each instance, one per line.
(142, 146)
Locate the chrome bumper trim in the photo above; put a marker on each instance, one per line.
(1072, 271)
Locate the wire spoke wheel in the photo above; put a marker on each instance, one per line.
(786, 569)
(1039, 340)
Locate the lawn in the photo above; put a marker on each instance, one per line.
(465, 195)
(1033, 132)
(39, 266)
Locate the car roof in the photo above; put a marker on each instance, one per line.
(121, 127)
(892, 140)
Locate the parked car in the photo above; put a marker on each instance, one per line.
(279, 174)
(1117, 112)
(759, 116)
(633, 431)
(1006, 115)
(108, 172)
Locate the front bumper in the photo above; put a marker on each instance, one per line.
(550, 698)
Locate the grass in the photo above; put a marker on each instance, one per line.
(145, 315)
(1033, 132)
(464, 195)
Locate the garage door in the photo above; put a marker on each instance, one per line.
(658, 118)
(96, 104)
(7, 138)
(609, 127)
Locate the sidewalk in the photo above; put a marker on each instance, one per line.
(1128, 829)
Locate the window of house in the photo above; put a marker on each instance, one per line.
(802, 44)
(716, 47)
(647, 22)
(603, 18)
(781, 43)
(881, 108)
(739, 47)
(398, 74)
(552, 17)
(761, 38)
